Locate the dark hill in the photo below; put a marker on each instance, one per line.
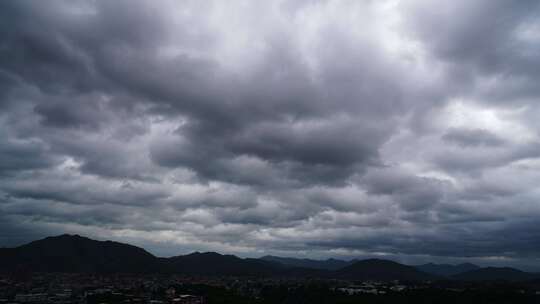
(382, 270)
(329, 264)
(211, 263)
(495, 274)
(73, 253)
(446, 269)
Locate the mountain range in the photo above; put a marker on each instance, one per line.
(447, 269)
(382, 270)
(74, 253)
(496, 274)
(329, 264)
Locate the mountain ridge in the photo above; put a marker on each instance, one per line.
(382, 270)
(328, 264)
(446, 269)
(75, 253)
(496, 274)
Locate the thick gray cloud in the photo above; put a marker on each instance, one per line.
(472, 137)
(312, 128)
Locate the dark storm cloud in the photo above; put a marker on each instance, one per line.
(472, 137)
(61, 114)
(319, 126)
(493, 45)
(303, 151)
(410, 191)
(18, 155)
(475, 160)
(194, 87)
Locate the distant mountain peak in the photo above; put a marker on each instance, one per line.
(446, 269)
(328, 264)
(495, 274)
(377, 260)
(65, 236)
(382, 270)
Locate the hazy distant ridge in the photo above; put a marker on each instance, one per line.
(73, 253)
(329, 264)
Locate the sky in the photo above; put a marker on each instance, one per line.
(399, 129)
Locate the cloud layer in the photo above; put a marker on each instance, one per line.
(316, 128)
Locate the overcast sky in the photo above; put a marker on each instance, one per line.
(401, 129)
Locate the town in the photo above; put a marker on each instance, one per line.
(72, 288)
